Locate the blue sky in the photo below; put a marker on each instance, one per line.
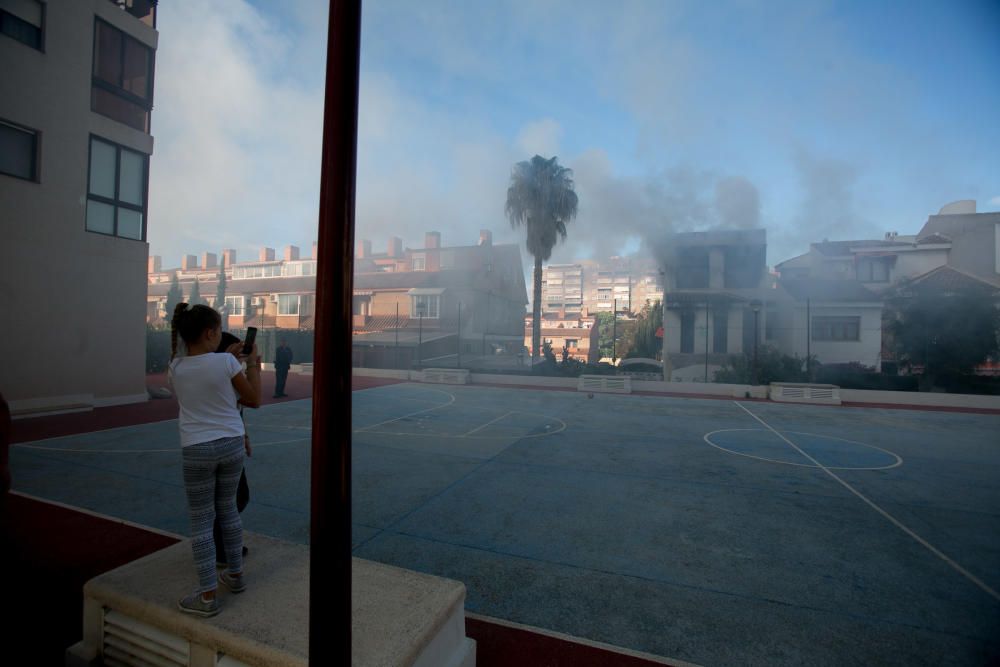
(814, 120)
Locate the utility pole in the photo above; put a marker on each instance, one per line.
(420, 337)
(706, 341)
(396, 352)
(458, 364)
(809, 337)
(614, 332)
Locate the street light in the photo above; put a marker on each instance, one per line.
(755, 307)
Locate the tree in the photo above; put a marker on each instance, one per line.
(947, 333)
(220, 297)
(542, 199)
(174, 297)
(195, 297)
(642, 340)
(772, 366)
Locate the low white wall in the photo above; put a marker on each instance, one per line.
(482, 378)
(921, 399)
(735, 391)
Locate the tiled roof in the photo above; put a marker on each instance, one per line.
(275, 285)
(949, 279)
(827, 290)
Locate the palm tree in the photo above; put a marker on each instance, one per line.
(541, 198)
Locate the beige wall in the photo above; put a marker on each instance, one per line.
(74, 302)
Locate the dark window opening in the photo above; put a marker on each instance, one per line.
(122, 82)
(23, 21)
(692, 268)
(836, 328)
(18, 151)
(744, 266)
(687, 331)
(720, 335)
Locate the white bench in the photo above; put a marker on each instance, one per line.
(796, 392)
(607, 384)
(446, 375)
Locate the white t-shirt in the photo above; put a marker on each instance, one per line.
(204, 388)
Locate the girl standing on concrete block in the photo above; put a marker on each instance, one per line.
(209, 387)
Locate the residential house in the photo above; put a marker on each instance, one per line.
(577, 334)
(438, 305)
(718, 295)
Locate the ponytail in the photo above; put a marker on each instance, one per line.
(175, 325)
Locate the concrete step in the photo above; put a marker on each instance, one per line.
(399, 617)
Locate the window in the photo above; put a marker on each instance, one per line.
(122, 82)
(288, 304)
(836, 328)
(22, 20)
(873, 270)
(720, 333)
(116, 193)
(419, 263)
(424, 305)
(234, 305)
(18, 151)
(692, 268)
(687, 331)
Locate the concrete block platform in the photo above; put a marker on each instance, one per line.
(400, 617)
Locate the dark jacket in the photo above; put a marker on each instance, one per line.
(283, 357)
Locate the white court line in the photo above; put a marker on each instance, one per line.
(930, 547)
(106, 517)
(412, 414)
(492, 421)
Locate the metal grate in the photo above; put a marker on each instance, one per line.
(604, 383)
(446, 376)
(127, 641)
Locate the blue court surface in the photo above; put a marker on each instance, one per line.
(716, 532)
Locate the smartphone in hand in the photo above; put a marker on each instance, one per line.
(248, 343)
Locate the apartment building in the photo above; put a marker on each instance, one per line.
(269, 292)
(76, 98)
(587, 287)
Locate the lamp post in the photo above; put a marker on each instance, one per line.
(458, 364)
(755, 307)
(420, 336)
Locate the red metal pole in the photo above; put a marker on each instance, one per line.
(330, 530)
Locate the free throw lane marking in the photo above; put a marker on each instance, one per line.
(893, 520)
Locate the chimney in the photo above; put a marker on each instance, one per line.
(208, 260)
(485, 237)
(267, 254)
(155, 264)
(395, 247)
(364, 249)
(432, 240)
(228, 257)
(315, 250)
(291, 253)
(189, 262)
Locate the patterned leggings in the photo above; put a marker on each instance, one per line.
(211, 474)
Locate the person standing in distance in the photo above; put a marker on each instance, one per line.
(208, 386)
(282, 362)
